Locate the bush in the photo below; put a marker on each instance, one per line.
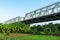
(46, 29)
(16, 27)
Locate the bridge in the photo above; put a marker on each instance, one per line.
(48, 13)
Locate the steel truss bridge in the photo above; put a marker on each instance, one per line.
(48, 13)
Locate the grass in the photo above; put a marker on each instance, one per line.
(31, 37)
(39, 37)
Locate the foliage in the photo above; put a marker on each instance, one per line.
(20, 27)
(16, 27)
(46, 29)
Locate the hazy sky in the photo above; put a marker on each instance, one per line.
(13, 8)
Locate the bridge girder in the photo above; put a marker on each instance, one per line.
(51, 9)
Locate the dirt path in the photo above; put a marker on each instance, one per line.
(18, 34)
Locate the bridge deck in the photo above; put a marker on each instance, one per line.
(51, 17)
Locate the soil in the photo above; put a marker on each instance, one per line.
(18, 34)
(56, 34)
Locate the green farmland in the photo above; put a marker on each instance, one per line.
(38, 37)
(29, 37)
